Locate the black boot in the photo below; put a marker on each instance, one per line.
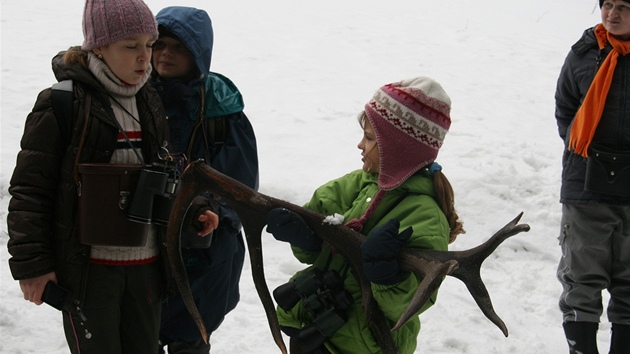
(196, 347)
(620, 339)
(581, 337)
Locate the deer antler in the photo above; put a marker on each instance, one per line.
(252, 207)
(467, 268)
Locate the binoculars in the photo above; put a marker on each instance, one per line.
(324, 297)
(153, 197)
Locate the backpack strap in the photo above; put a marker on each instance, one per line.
(215, 128)
(217, 131)
(62, 96)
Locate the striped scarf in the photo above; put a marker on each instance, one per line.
(590, 112)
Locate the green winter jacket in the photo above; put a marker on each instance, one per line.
(413, 204)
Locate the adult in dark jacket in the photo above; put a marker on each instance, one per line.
(206, 121)
(116, 287)
(593, 116)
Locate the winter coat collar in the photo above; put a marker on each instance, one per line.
(222, 97)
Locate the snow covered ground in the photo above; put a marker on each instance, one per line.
(306, 69)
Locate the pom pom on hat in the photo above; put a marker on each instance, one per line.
(108, 21)
(410, 119)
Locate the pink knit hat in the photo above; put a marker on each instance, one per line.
(410, 119)
(108, 21)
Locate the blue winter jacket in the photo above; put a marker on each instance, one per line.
(214, 272)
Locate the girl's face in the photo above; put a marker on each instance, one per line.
(369, 148)
(130, 58)
(616, 18)
(172, 60)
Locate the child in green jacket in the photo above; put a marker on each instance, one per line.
(399, 198)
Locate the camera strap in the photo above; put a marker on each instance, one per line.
(199, 124)
(86, 116)
(122, 131)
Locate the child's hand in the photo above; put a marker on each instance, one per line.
(201, 217)
(33, 288)
(288, 226)
(209, 222)
(380, 253)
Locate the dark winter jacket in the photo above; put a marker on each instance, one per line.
(613, 130)
(229, 146)
(43, 208)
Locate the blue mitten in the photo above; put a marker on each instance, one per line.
(380, 253)
(288, 226)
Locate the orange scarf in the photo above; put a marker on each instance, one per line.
(590, 112)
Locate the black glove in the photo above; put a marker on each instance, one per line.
(288, 226)
(380, 253)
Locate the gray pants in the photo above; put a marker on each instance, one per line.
(595, 243)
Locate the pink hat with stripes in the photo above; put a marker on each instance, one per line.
(410, 119)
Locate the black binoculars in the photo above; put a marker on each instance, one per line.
(324, 297)
(154, 194)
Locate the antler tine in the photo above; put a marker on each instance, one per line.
(430, 282)
(225, 188)
(464, 265)
(258, 274)
(190, 188)
(469, 271)
(510, 229)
